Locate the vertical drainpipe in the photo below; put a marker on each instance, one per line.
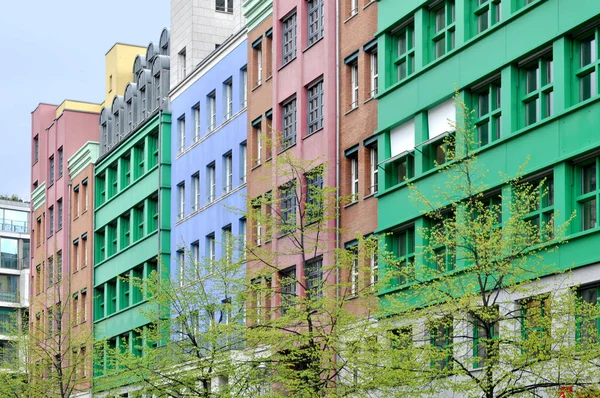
(337, 139)
(68, 256)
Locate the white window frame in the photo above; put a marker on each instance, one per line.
(228, 173)
(228, 99)
(259, 146)
(243, 160)
(245, 87)
(211, 183)
(182, 64)
(212, 112)
(196, 123)
(181, 189)
(181, 262)
(259, 66)
(211, 250)
(354, 177)
(354, 83)
(354, 276)
(374, 74)
(196, 193)
(181, 122)
(353, 7)
(374, 269)
(374, 169)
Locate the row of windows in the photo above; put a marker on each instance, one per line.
(189, 264)
(440, 24)
(80, 200)
(533, 315)
(535, 102)
(121, 292)
(138, 222)
(211, 111)
(370, 76)
(49, 272)
(194, 194)
(130, 167)
(368, 175)
(314, 29)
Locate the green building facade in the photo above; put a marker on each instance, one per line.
(132, 230)
(529, 70)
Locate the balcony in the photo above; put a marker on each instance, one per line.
(21, 227)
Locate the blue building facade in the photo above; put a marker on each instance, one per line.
(209, 156)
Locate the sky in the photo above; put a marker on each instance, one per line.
(54, 50)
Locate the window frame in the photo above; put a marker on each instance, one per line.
(288, 203)
(403, 245)
(288, 281)
(288, 122)
(445, 34)
(488, 113)
(314, 21)
(354, 84)
(313, 276)
(591, 195)
(181, 127)
(542, 95)
(491, 9)
(314, 99)
(592, 68)
(405, 56)
(288, 38)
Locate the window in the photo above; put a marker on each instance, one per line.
(439, 151)
(288, 289)
(259, 146)
(257, 212)
(288, 39)
(51, 221)
(84, 251)
(36, 149)
(243, 155)
(38, 231)
(354, 173)
(586, 69)
(51, 168)
(50, 271)
(212, 188)
(287, 194)
(313, 274)
(354, 272)
(59, 204)
(212, 111)
(224, 5)
(227, 244)
(196, 192)
(588, 323)
(242, 229)
(587, 194)
(211, 250)
(314, 195)
(258, 54)
(374, 269)
(228, 99)
(542, 214)
(195, 249)
(181, 123)
(76, 255)
(488, 113)
(537, 95)
(441, 258)
(404, 247)
(354, 84)
(156, 90)
(404, 45)
(60, 162)
(486, 330)
(315, 20)
(374, 75)
(181, 210)
(487, 13)
(353, 7)
(228, 170)
(315, 107)
(244, 84)
(181, 264)
(289, 123)
(441, 336)
(443, 19)
(182, 70)
(83, 305)
(535, 324)
(374, 169)
(196, 111)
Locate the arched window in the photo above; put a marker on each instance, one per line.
(130, 107)
(118, 116)
(164, 42)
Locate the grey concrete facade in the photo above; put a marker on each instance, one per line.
(197, 28)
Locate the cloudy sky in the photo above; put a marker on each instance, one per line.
(54, 50)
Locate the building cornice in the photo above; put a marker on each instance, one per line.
(86, 155)
(256, 11)
(38, 196)
(209, 62)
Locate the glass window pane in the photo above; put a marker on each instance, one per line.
(587, 51)
(532, 79)
(440, 22)
(452, 39)
(402, 73)
(483, 133)
(497, 98)
(9, 253)
(549, 104)
(588, 176)
(531, 112)
(439, 48)
(587, 86)
(484, 104)
(549, 71)
(402, 43)
(452, 12)
(497, 127)
(588, 213)
(482, 21)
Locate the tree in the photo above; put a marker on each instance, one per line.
(475, 317)
(51, 355)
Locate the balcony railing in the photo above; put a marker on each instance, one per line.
(11, 297)
(14, 226)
